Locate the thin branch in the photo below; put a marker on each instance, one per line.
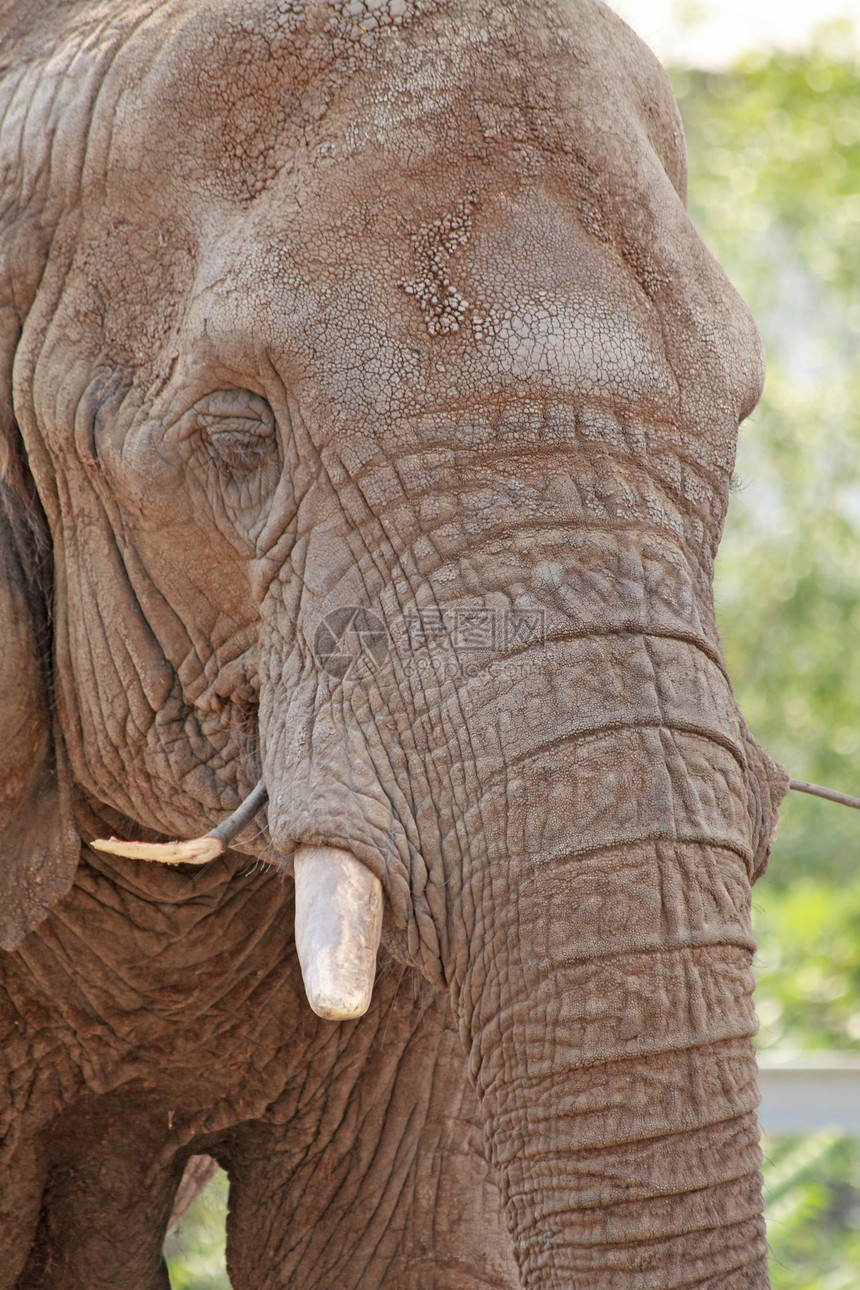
(830, 794)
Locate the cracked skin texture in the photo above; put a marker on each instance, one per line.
(394, 305)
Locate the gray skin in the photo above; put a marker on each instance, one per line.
(305, 308)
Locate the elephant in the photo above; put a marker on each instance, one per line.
(369, 412)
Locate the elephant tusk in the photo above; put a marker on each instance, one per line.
(196, 850)
(338, 925)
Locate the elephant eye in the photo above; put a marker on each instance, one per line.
(238, 429)
(238, 443)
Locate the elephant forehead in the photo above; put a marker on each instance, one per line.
(477, 201)
(381, 307)
(547, 303)
(223, 81)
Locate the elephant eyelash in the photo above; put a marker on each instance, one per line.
(240, 445)
(241, 453)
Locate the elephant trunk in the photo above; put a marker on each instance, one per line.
(608, 1014)
(534, 746)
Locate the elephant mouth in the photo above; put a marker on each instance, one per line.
(338, 908)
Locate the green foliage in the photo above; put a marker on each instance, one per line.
(812, 1188)
(194, 1249)
(808, 998)
(774, 151)
(808, 966)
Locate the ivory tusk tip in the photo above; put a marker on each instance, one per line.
(338, 926)
(336, 1006)
(195, 851)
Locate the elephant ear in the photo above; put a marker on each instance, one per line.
(43, 138)
(39, 847)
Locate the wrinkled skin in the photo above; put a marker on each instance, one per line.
(302, 311)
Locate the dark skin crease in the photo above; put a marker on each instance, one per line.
(305, 310)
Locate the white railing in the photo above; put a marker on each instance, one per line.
(809, 1091)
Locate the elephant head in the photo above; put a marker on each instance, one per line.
(372, 412)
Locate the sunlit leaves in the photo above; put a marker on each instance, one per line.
(812, 1190)
(775, 191)
(808, 966)
(194, 1249)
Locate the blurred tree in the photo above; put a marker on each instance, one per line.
(774, 150)
(808, 966)
(812, 1187)
(194, 1249)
